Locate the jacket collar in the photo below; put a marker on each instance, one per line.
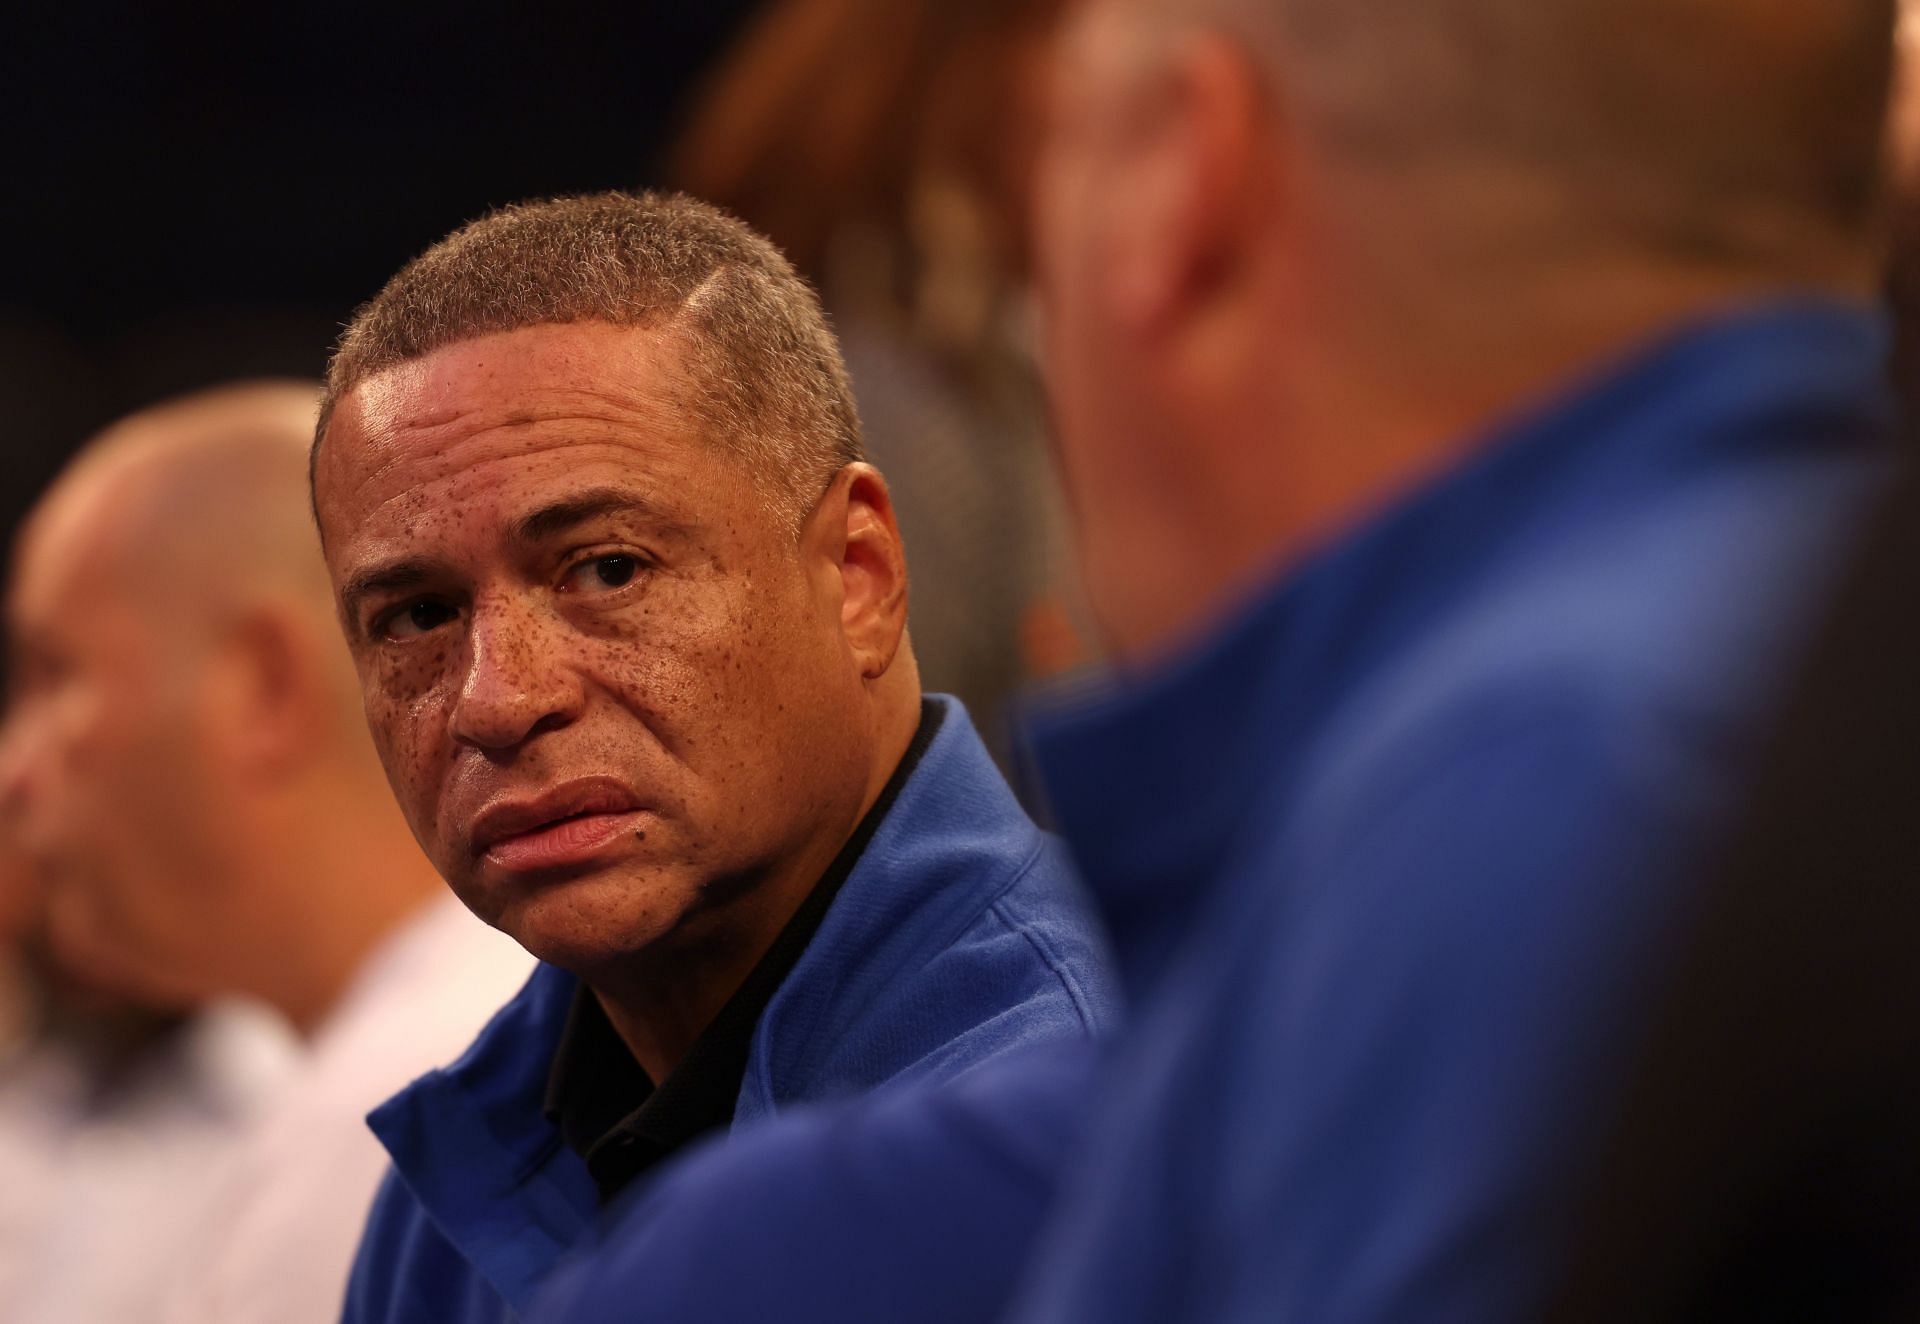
(1153, 778)
(471, 1141)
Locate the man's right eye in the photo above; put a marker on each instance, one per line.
(413, 619)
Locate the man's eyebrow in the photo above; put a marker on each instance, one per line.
(561, 516)
(392, 577)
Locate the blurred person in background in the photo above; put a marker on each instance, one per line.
(887, 147)
(1465, 407)
(112, 1108)
(186, 761)
(18, 1010)
(629, 610)
(112, 1113)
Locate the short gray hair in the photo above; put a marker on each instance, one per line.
(767, 377)
(1697, 108)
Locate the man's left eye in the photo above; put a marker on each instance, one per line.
(603, 574)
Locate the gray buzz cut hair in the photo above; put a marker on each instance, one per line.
(764, 370)
(1680, 119)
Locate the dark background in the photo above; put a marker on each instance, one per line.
(191, 193)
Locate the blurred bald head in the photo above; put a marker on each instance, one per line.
(199, 502)
(1702, 123)
(1358, 232)
(184, 739)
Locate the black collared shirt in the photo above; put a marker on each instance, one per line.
(606, 1107)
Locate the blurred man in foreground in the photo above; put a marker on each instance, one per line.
(186, 760)
(630, 616)
(1766, 1161)
(1463, 415)
(1527, 419)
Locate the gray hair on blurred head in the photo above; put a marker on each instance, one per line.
(764, 371)
(1672, 116)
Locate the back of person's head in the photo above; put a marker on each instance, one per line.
(1740, 127)
(1357, 233)
(183, 736)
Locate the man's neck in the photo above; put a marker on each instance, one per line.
(660, 1019)
(19, 1010)
(662, 1002)
(1359, 421)
(344, 894)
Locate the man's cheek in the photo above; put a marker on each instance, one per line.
(651, 672)
(414, 670)
(397, 728)
(405, 687)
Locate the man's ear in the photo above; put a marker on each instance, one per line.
(269, 697)
(1196, 179)
(862, 536)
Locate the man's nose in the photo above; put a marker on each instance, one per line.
(520, 680)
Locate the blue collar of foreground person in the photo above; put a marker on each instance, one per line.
(1395, 861)
(959, 935)
(1154, 780)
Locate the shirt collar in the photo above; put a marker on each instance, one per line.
(1152, 778)
(605, 1106)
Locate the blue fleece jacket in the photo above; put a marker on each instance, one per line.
(1426, 823)
(960, 935)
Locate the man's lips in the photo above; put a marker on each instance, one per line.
(567, 825)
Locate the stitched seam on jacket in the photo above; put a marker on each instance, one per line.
(1052, 959)
(759, 1073)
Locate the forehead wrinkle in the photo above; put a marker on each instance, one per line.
(453, 383)
(386, 459)
(422, 423)
(486, 387)
(564, 404)
(560, 515)
(535, 429)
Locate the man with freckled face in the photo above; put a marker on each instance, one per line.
(629, 613)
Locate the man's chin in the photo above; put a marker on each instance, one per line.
(589, 924)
